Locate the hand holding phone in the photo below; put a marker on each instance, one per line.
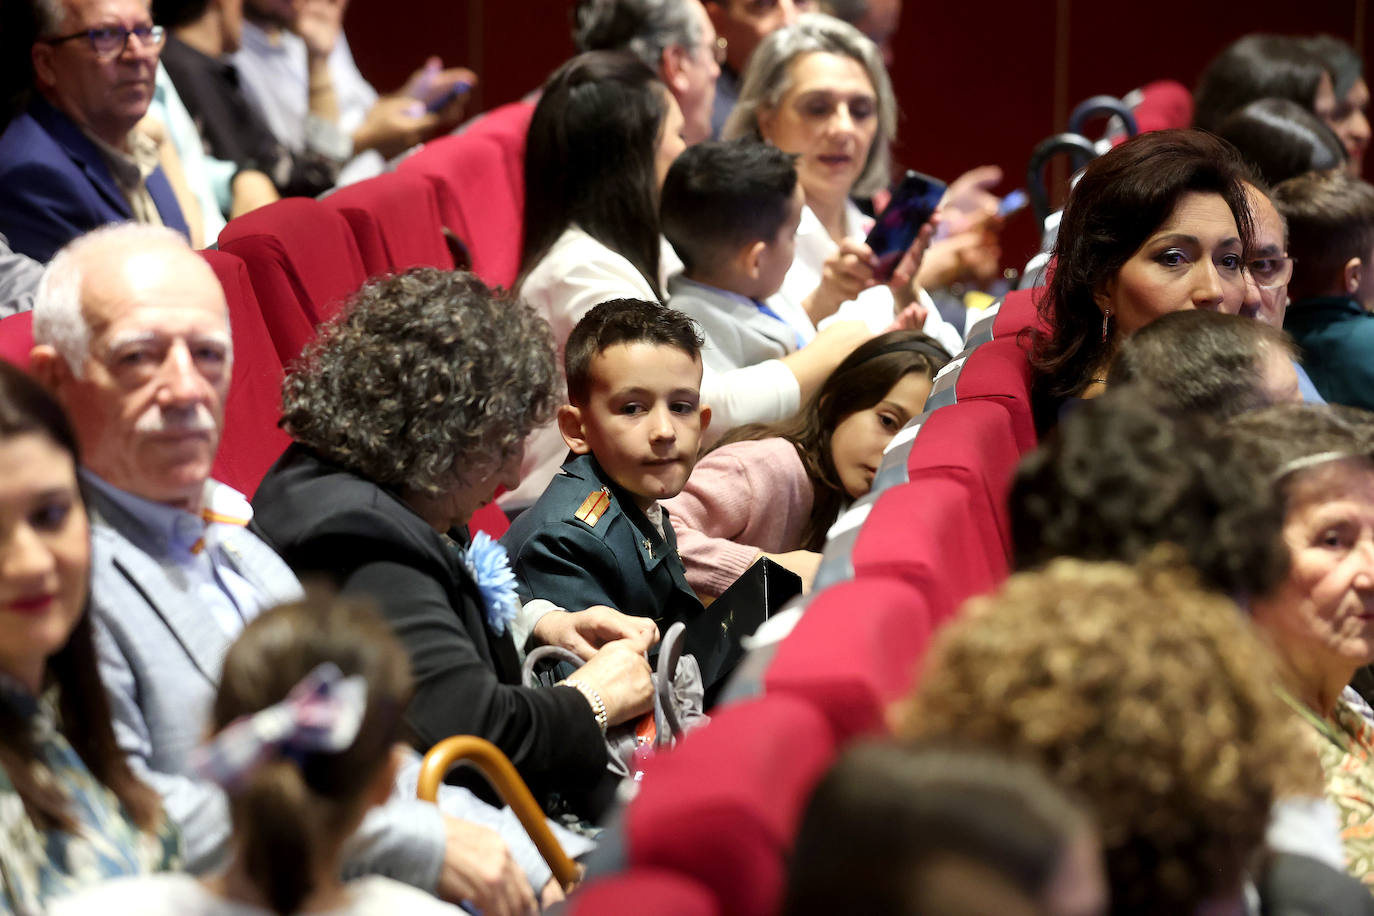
(912, 205)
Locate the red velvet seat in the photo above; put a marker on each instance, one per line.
(251, 441)
(1017, 312)
(972, 442)
(303, 263)
(475, 200)
(659, 891)
(723, 807)
(1000, 370)
(395, 221)
(923, 533)
(854, 651)
(508, 125)
(16, 339)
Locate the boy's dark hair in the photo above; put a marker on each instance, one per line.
(1196, 362)
(1256, 66)
(624, 321)
(174, 14)
(1330, 220)
(722, 195)
(1280, 139)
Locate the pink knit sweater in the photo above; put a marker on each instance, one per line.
(742, 499)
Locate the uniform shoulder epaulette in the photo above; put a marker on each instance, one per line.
(593, 507)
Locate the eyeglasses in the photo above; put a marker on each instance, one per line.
(111, 40)
(1270, 273)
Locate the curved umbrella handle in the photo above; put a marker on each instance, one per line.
(1102, 105)
(499, 771)
(1079, 148)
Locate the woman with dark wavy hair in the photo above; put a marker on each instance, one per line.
(72, 813)
(408, 411)
(1159, 224)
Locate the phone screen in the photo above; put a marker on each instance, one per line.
(897, 227)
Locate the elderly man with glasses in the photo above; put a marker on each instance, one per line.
(74, 158)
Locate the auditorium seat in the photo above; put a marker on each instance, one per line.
(659, 891)
(16, 339)
(722, 807)
(475, 200)
(303, 263)
(251, 441)
(854, 651)
(998, 370)
(395, 221)
(1018, 312)
(508, 125)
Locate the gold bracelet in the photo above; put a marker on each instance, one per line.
(592, 697)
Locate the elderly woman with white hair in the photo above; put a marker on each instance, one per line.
(818, 89)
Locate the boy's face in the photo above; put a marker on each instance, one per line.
(643, 418)
(776, 258)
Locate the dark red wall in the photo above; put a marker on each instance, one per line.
(977, 82)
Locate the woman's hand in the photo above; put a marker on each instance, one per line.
(584, 632)
(905, 288)
(620, 675)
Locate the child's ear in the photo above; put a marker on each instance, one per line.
(705, 416)
(751, 259)
(570, 425)
(1351, 275)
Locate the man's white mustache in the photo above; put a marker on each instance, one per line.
(197, 419)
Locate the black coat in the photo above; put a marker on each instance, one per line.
(328, 522)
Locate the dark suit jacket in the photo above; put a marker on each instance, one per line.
(617, 559)
(54, 184)
(326, 521)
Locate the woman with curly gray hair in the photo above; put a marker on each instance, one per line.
(407, 412)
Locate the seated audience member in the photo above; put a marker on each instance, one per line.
(71, 811)
(408, 411)
(1282, 139)
(741, 25)
(731, 211)
(1159, 224)
(1331, 237)
(302, 737)
(1207, 364)
(599, 535)
(1320, 461)
(202, 33)
(132, 335)
(19, 276)
(877, 19)
(1116, 481)
(833, 271)
(74, 159)
(775, 490)
(674, 38)
(296, 69)
(600, 143)
(954, 831)
(1144, 695)
(1260, 66)
(1347, 113)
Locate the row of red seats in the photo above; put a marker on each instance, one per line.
(711, 828)
(290, 265)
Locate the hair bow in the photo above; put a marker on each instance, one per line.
(321, 714)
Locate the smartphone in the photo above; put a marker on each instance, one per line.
(912, 204)
(1014, 202)
(459, 88)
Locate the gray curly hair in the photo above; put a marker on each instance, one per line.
(646, 27)
(768, 77)
(425, 379)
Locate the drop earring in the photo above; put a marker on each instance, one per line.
(1106, 322)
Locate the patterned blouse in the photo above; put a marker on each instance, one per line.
(37, 864)
(1345, 744)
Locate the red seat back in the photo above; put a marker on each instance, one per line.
(303, 262)
(16, 339)
(395, 221)
(723, 807)
(475, 200)
(251, 440)
(509, 125)
(854, 651)
(1000, 369)
(643, 890)
(1017, 312)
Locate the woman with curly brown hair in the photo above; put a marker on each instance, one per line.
(1143, 694)
(407, 412)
